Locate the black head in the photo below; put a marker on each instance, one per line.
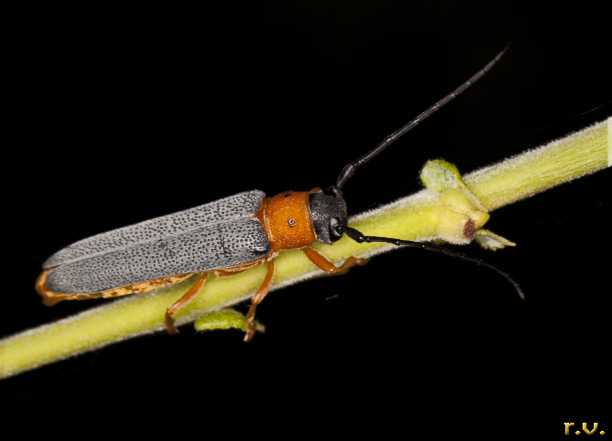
(328, 213)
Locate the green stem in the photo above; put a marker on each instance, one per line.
(417, 217)
(542, 168)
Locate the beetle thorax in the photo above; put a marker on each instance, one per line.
(286, 220)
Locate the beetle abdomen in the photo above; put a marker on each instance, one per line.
(214, 246)
(241, 205)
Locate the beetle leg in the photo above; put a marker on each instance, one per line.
(326, 265)
(182, 302)
(257, 299)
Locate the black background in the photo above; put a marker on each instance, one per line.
(130, 111)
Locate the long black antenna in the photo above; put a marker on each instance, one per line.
(350, 168)
(358, 237)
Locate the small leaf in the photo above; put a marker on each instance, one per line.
(439, 175)
(491, 241)
(223, 319)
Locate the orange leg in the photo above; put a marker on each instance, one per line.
(182, 302)
(257, 299)
(324, 263)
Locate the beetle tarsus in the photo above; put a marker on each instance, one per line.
(251, 325)
(170, 328)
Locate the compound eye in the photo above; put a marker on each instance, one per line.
(336, 227)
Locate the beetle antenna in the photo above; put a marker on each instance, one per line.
(358, 237)
(350, 168)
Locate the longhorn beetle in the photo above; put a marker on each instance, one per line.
(223, 237)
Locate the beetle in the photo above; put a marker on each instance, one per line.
(223, 237)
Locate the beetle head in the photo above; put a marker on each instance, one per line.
(328, 213)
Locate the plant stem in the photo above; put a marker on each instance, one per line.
(415, 217)
(542, 168)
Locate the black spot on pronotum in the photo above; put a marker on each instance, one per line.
(288, 195)
(291, 222)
